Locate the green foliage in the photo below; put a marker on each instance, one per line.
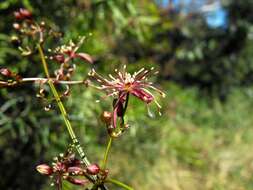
(200, 142)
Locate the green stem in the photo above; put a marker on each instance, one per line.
(118, 183)
(73, 137)
(107, 153)
(63, 110)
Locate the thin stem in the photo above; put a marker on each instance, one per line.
(66, 119)
(118, 183)
(107, 153)
(63, 110)
(37, 79)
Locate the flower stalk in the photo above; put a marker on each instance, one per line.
(71, 132)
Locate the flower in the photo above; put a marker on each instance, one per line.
(65, 167)
(124, 84)
(68, 52)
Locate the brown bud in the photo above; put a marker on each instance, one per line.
(93, 169)
(44, 169)
(6, 72)
(106, 117)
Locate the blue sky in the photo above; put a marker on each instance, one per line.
(214, 13)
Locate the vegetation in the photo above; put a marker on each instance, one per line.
(204, 136)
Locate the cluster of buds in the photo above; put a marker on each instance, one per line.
(65, 56)
(67, 167)
(22, 14)
(26, 27)
(13, 78)
(121, 86)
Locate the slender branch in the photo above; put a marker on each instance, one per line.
(35, 79)
(107, 153)
(118, 183)
(66, 119)
(62, 110)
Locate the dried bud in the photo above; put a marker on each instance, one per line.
(106, 117)
(44, 169)
(6, 72)
(93, 169)
(16, 26)
(59, 58)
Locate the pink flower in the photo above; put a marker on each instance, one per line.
(124, 84)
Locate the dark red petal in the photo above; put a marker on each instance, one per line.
(85, 57)
(93, 169)
(143, 95)
(74, 181)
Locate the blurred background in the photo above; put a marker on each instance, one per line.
(203, 50)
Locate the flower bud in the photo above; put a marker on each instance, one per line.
(106, 117)
(6, 72)
(44, 169)
(59, 58)
(16, 26)
(25, 13)
(93, 169)
(74, 181)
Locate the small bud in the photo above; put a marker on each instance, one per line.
(6, 72)
(44, 169)
(22, 14)
(77, 181)
(16, 26)
(25, 13)
(17, 15)
(93, 169)
(106, 117)
(59, 58)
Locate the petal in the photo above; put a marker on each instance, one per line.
(85, 57)
(143, 95)
(74, 181)
(44, 169)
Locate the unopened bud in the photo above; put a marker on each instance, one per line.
(93, 169)
(59, 58)
(44, 169)
(106, 117)
(16, 26)
(25, 13)
(6, 72)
